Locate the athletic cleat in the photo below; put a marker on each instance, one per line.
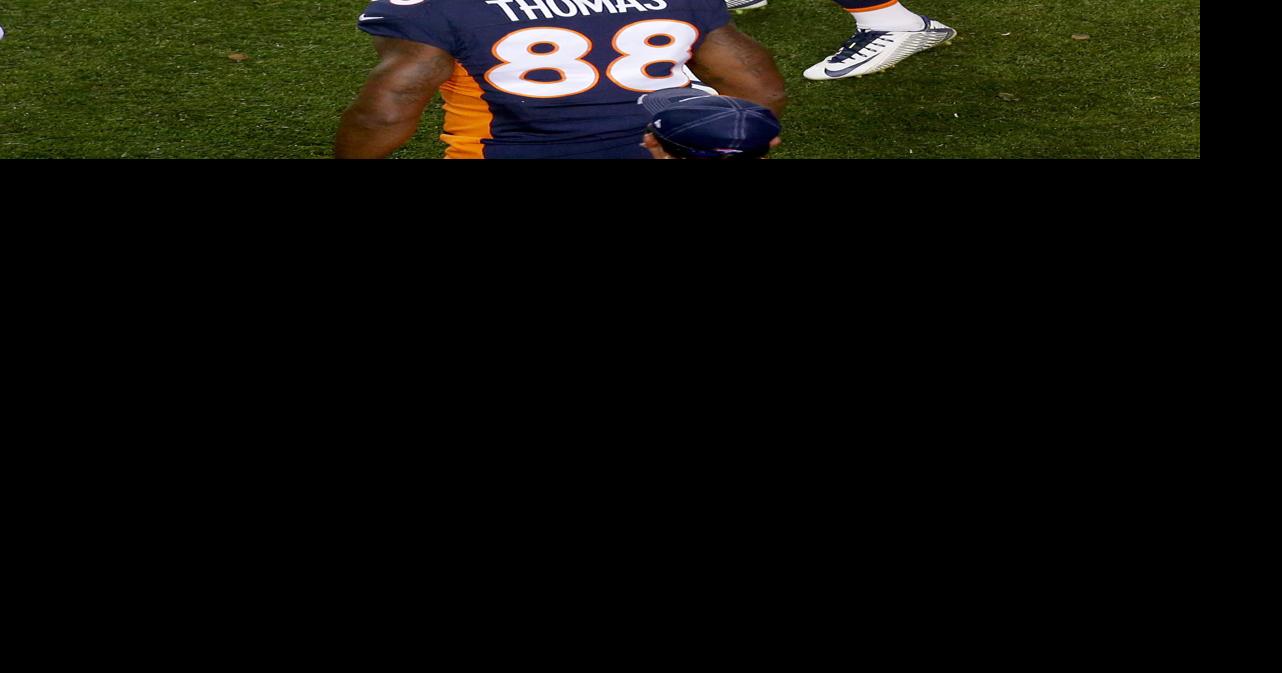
(870, 51)
(745, 5)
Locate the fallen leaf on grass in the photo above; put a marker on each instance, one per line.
(238, 57)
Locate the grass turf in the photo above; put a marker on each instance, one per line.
(152, 78)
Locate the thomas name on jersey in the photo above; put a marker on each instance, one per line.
(551, 78)
(536, 10)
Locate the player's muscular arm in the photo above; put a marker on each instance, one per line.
(386, 113)
(735, 65)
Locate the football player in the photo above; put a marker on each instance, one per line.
(543, 78)
(886, 33)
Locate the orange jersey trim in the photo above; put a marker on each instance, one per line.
(468, 119)
(872, 9)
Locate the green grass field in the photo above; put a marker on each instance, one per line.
(152, 78)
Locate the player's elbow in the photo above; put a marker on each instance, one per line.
(775, 98)
(766, 94)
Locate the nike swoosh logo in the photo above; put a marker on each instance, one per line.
(843, 71)
(370, 18)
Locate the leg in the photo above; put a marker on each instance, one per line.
(887, 33)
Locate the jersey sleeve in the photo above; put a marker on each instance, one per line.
(710, 14)
(420, 21)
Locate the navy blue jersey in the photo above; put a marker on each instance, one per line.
(551, 78)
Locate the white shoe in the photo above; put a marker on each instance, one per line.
(869, 51)
(744, 5)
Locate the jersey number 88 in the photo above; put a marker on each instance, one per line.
(640, 45)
